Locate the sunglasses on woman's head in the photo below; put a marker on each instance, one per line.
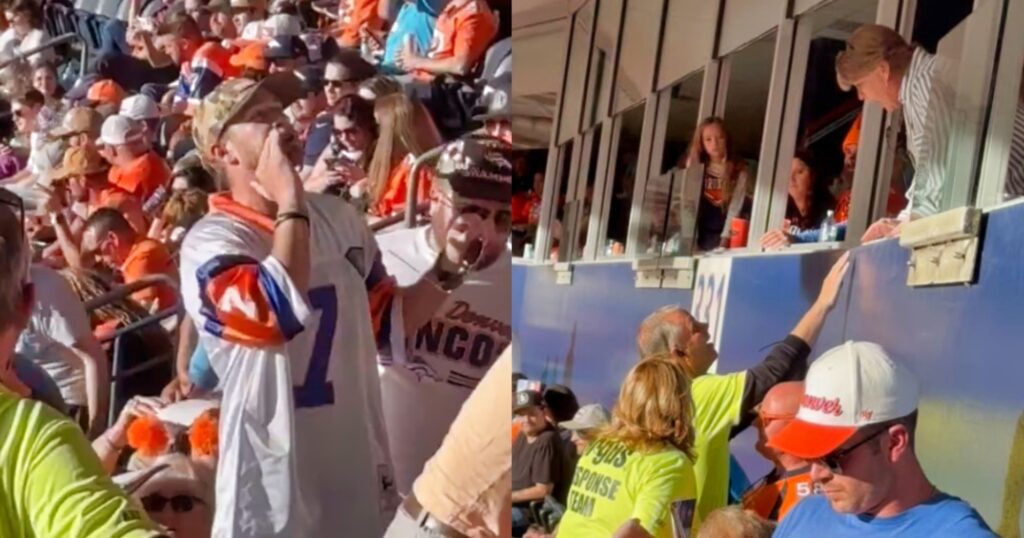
(156, 503)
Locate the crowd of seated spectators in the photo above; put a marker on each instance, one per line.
(105, 178)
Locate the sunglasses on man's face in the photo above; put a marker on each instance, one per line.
(155, 503)
(834, 460)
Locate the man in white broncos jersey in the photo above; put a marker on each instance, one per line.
(426, 378)
(290, 298)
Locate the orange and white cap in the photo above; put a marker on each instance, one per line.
(851, 386)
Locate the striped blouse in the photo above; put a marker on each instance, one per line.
(1015, 173)
(928, 116)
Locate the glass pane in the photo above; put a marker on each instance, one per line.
(625, 157)
(594, 139)
(689, 38)
(639, 52)
(527, 189)
(662, 192)
(729, 147)
(602, 66)
(953, 116)
(682, 121)
(821, 172)
(561, 199)
(576, 74)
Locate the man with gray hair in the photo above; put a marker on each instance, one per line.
(725, 403)
(48, 471)
(887, 70)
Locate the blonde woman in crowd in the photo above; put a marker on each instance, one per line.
(735, 522)
(401, 139)
(636, 479)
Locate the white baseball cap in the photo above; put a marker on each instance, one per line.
(139, 107)
(118, 130)
(849, 387)
(587, 418)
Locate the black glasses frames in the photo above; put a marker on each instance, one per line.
(179, 503)
(834, 460)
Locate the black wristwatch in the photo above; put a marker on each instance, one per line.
(447, 280)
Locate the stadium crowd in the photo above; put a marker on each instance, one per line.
(838, 432)
(254, 275)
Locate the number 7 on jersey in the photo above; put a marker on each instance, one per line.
(316, 390)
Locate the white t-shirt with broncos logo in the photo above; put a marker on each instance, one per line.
(426, 377)
(303, 450)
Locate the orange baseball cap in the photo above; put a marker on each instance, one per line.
(106, 92)
(250, 56)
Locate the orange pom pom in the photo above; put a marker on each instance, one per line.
(202, 436)
(148, 436)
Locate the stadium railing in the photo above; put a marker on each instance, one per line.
(119, 374)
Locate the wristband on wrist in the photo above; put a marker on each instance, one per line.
(290, 215)
(447, 280)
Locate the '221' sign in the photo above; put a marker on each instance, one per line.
(710, 293)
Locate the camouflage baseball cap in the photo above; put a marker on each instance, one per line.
(219, 109)
(477, 167)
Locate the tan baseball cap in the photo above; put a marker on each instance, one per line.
(217, 111)
(79, 120)
(866, 47)
(80, 161)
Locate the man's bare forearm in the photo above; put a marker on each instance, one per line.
(536, 492)
(291, 243)
(97, 381)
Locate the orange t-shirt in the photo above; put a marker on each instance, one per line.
(141, 177)
(465, 27)
(150, 257)
(127, 204)
(393, 198)
(522, 208)
(362, 13)
(773, 497)
(853, 135)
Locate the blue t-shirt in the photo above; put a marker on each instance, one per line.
(416, 19)
(943, 515)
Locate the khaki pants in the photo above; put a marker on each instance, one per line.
(404, 526)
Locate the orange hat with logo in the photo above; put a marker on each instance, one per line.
(105, 92)
(250, 56)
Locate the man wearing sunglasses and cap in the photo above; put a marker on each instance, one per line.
(885, 69)
(856, 428)
(789, 481)
(291, 300)
(48, 471)
(438, 368)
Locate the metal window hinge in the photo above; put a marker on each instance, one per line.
(563, 274)
(678, 272)
(673, 273)
(647, 273)
(943, 247)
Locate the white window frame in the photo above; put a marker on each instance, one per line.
(995, 161)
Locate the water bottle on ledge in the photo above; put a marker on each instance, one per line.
(829, 232)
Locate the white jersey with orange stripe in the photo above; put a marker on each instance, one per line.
(303, 449)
